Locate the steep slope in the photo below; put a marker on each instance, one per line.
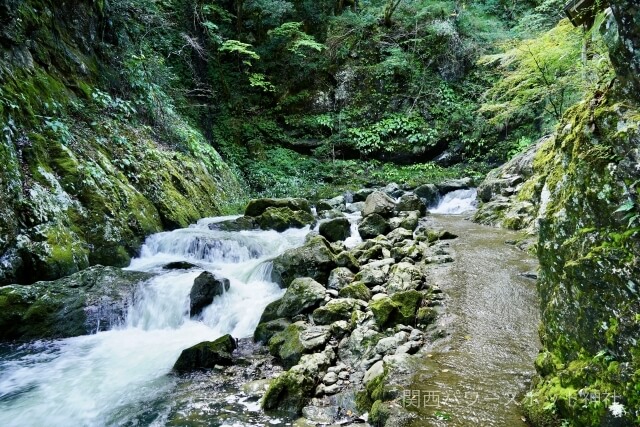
(95, 152)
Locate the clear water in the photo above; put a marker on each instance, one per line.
(109, 378)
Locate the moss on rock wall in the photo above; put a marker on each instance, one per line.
(95, 154)
(589, 251)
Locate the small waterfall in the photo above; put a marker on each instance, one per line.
(103, 379)
(457, 202)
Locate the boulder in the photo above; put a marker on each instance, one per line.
(205, 288)
(411, 202)
(315, 259)
(354, 207)
(286, 345)
(392, 189)
(238, 224)
(407, 220)
(428, 193)
(334, 310)
(335, 229)
(270, 312)
(356, 290)
(281, 219)
(264, 331)
(404, 276)
(379, 203)
(302, 294)
(339, 278)
(257, 207)
(179, 265)
(346, 259)
(291, 390)
(372, 225)
(361, 195)
(454, 184)
(398, 235)
(94, 299)
(206, 355)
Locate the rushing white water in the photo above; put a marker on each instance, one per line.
(456, 202)
(104, 379)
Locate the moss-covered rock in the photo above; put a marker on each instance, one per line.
(315, 259)
(335, 229)
(257, 207)
(286, 345)
(91, 300)
(206, 355)
(373, 225)
(282, 218)
(264, 331)
(334, 310)
(356, 290)
(302, 295)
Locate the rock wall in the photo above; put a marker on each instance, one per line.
(86, 175)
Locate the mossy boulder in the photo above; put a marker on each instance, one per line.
(373, 225)
(257, 207)
(238, 224)
(315, 259)
(339, 278)
(281, 219)
(411, 202)
(264, 331)
(335, 229)
(334, 310)
(206, 355)
(91, 300)
(356, 290)
(404, 276)
(428, 193)
(291, 391)
(286, 345)
(400, 308)
(379, 203)
(205, 288)
(302, 294)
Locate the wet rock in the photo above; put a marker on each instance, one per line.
(179, 265)
(354, 207)
(302, 294)
(289, 392)
(411, 202)
(375, 371)
(429, 193)
(407, 220)
(372, 225)
(361, 195)
(393, 190)
(339, 278)
(373, 274)
(314, 337)
(390, 344)
(205, 288)
(401, 307)
(346, 259)
(315, 259)
(454, 184)
(330, 378)
(258, 206)
(379, 203)
(398, 235)
(320, 414)
(286, 346)
(281, 219)
(334, 310)
(264, 331)
(206, 355)
(426, 316)
(356, 290)
(95, 298)
(335, 229)
(238, 224)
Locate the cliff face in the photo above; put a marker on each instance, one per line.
(589, 251)
(95, 155)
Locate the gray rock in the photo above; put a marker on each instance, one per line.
(330, 378)
(258, 206)
(315, 259)
(302, 294)
(374, 372)
(379, 203)
(361, 195)
(411, 202)
(354, 207)
(372, 225)
(428, 193)
(206, 355)
(454, 184)
(205, 288)
(335, 229)
(339, 278)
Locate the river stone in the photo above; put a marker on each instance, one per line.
(94, 299)
(379, 203)
(411, 202)
(265, 330)
(404, 276)
(372, 225)
(257, 207)
(361, 195)
(390, 344)
(286, 346)
(339, 278)
(408, 220)
(335, 229)
(281, 219)
(205, 288)
(303, 293)
(237, 224)
(354, 207)
(392, 189)
(454, 184)
(398, 235)
(314, 337)
(356, 290)
(428, 193)
(179, 265)
(323, 415)
(374, 372)
(206, 355)
(334, 310)
(373, 274)
(315, 259)
(346, 259)
(290, 391)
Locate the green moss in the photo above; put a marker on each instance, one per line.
(379, 414)
(286, 345)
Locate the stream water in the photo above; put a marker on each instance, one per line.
(119, 377)
(111, 378)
